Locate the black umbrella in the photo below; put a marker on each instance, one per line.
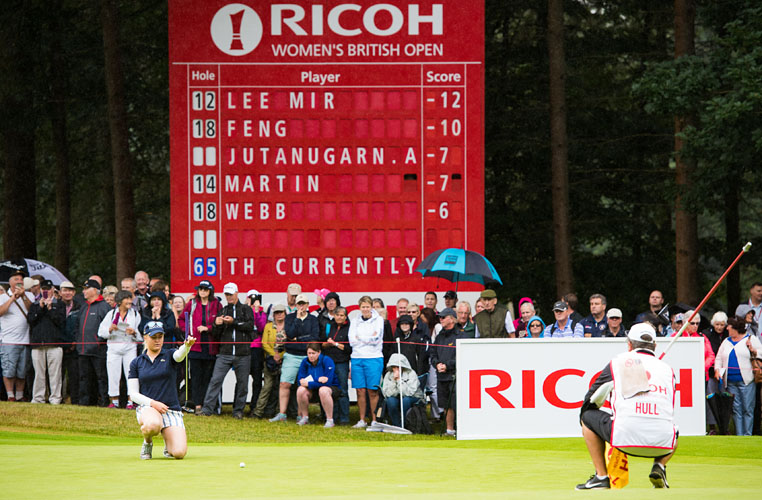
(721, 406)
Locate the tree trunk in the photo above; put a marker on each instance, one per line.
(17, 129)
(686, 227)
(57, 111)
(559, 149)
(124, 209)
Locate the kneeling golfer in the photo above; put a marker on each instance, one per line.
(151, 385)
(637, 393)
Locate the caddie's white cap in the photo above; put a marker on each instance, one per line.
(642, 332)
(230, 288)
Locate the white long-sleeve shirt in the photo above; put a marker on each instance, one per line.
(367, 336)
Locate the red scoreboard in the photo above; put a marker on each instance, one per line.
(333, 144)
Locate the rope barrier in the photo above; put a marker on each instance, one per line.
(104, 342)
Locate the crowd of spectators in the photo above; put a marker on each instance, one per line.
(77, 347)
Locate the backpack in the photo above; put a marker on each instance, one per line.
(416, 420)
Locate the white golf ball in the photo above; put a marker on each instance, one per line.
(242, 465)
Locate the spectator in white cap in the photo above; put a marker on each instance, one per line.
(614, 326)
(292, 291)
(33, 286)
(233, 329)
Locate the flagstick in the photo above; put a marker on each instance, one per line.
(744, 250)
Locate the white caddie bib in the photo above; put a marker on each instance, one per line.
(643, 424)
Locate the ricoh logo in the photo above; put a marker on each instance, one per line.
(237, 29)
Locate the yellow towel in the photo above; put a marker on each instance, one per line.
(617, 467)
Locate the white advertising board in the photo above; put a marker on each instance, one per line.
(530, 388)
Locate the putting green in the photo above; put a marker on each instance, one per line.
(69, 466)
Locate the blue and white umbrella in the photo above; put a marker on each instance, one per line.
(457, 264)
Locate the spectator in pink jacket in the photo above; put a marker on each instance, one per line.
(526, 311)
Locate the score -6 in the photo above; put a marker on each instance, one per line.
(209, 270)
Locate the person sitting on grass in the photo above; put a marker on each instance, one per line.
(151, 386)
(317, 376)
(301, 329)
(400, 378)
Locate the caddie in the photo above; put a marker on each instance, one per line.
(631, 406)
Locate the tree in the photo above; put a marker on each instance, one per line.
(124, 209)
(18, 99)
(686, 224)
(559, 148)
(719, 86)
(57, 114)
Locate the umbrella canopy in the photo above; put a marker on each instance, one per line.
(457, 264)
(31, 267)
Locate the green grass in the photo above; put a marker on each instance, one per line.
(73, 452)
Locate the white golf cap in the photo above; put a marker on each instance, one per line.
(252, 292)
(294, 289)
(66, 284)
(230, 288)
(642, 332)
(302, 298)
(614, 313)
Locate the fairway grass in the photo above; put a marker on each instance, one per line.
(48, 455)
